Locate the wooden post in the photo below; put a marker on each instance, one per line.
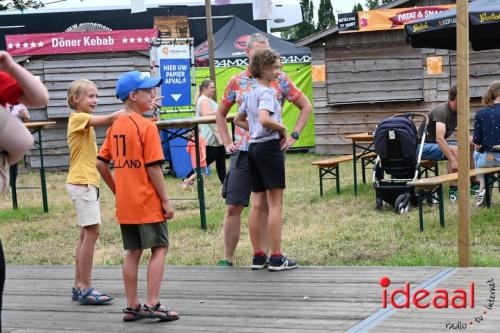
(463, 133)
(210, 40)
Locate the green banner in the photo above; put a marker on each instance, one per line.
(300, 74)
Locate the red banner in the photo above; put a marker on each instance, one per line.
(80, 42)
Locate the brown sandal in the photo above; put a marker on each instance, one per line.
(159, 312)
(134, 314)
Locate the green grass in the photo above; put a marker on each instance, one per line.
(329, 230)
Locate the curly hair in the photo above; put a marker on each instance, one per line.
(262, 60)
(491, 94)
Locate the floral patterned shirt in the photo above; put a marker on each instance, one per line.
(241, 84)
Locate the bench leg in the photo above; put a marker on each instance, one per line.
(420, 199)
(320, 182)
(487, 196)
(363, 170)
(355, 171)
(337, 178)
(441, 205)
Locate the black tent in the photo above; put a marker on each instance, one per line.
(439, 30)
(229, 46)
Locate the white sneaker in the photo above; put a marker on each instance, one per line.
(480, 198)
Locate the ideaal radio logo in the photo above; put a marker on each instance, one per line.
(462, 298)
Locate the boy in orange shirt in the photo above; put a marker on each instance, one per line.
(142, 205)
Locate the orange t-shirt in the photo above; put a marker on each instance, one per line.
(133, 144)
(191, 149)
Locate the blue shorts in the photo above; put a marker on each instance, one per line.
(486, 160)
(432, 151)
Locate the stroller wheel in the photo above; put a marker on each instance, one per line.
(402, 204)
(379, 203)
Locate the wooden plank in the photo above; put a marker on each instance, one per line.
(436, 180)
(381, 95)
(209, 299)
(356, 66)
(348, 77)
(388, 86)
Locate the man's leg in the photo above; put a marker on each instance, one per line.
(236, 189)
(232, 230)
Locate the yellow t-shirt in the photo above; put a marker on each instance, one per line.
(82, 151)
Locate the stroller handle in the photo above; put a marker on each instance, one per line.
(413, 115)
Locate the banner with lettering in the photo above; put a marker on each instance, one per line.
(80, 42)
(396, 18)
(175, 69)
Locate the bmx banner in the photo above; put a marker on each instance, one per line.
(175, 69)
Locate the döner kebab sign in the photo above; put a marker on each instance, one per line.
(80, 42)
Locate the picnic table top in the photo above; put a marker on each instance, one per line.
(365, 136)
(38, 124)
(189, 121)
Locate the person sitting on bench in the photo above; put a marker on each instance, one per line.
(487, 136)
(442, 124)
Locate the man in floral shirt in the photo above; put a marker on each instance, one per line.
(236, 189)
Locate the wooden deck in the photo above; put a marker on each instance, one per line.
(213, 299)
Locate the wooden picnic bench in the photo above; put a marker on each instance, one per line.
(435, 184)
(330, 167)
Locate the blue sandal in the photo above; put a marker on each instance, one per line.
(74, 293)
(93, 297)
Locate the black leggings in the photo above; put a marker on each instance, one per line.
(217, 154)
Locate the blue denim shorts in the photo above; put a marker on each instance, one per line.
(433, 152)
(486, 159)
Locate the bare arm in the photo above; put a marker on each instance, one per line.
(104, 120)
(13, 128)
(220, 117)
(34, 92)
(103, 169)
(206, 108)
(305, 108)
(267, 121)
(241, 120)
(156, 176)
(443, 145)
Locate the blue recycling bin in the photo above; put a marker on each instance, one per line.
(174, 150)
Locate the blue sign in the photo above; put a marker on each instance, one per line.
(176, 87)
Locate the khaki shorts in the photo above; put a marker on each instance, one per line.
(86, 200)
(144, 236)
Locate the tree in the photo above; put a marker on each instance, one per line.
(326, 19)
(20, 4)
(372, 4)
(305, 28)
(357, 8)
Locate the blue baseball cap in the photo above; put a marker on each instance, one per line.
(131, 81)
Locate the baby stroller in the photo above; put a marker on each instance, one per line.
(395, 141)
